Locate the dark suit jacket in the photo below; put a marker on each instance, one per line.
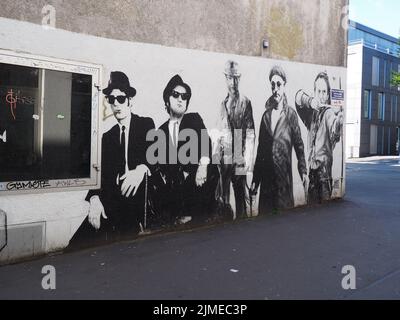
(123, 214)
(137, 147)
(179, 194)
(194, 122)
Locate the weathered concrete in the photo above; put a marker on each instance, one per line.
(306, 31)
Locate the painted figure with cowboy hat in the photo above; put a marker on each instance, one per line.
(235, 118)
(117, 209)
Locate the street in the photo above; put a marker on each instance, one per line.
(295, 255)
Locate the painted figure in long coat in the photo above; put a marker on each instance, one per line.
(279, 135)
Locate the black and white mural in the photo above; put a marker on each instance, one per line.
(245, 159)
(186, 138)
(117, 209)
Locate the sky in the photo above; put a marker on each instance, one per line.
(381, 15)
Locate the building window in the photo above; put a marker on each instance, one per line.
(367, 104)
(397, 112)
(48, 124)
(373, 145)
(375, 71)
(393, 68)
(385, 77)
(398, 70)
(393, 114)
(381, 106)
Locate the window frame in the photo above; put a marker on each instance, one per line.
(381, 106)
(60, 185)
(376, 70)
(369, 104)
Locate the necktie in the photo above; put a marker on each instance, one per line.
(175, 141)
(123, 155)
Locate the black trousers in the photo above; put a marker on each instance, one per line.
(320, 188)
(180, 196)
(241, 192)
(124, 216)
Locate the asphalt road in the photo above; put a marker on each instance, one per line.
(296, 255)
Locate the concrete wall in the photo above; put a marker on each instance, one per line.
(306, 31)
(354, 101)
(298, 31)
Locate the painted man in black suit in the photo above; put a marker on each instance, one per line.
(189, 185)
(117, 209)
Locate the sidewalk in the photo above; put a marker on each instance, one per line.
(374, 158)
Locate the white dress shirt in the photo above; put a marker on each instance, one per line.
(275, 116)
(171, 124)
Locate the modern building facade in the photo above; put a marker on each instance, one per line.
(373, 104)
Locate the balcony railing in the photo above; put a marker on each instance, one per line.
(374, 46)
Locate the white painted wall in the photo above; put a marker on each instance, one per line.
(354, 100)
(149, 68)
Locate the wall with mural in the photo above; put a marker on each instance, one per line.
(189, 138)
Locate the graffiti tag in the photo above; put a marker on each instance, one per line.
(12, 101)
(15, 96)
(70, 183)
(37, 184)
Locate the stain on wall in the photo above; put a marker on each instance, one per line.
(287, 35)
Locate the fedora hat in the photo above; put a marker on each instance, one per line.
(119, 80)
(175, 81)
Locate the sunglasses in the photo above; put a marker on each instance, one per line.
(276, 84)
(230, 77)
(184, 96)
(120, 99)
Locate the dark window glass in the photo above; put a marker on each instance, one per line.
(53, 143)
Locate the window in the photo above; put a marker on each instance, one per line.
(367, 104)
(385, 77)
(375, 71)
(381, 106)
(393, 68)
(373, 145)
(397, 112)
(398, 70)
(393, 116)
(48, 124)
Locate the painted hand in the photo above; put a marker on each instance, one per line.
(253, 190)
(201, 175)
(96, 211)
(132, 180)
